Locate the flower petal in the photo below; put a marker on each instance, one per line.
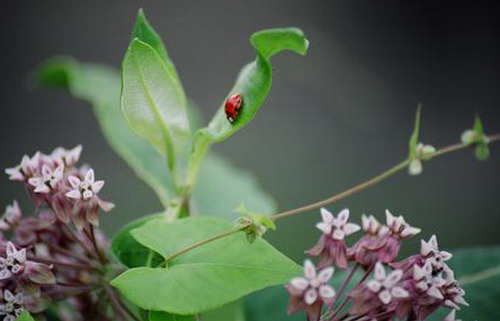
(326, 292)
(343, 216)
(327, 216)
(74, 181)
(338, 234)
(399, 292)
(74, 193)
(326, 228)
(310, 296)
(374, 286)
(300, 283)
(89, 176)
(309, 269)
(97, 186)
(351, 228)
(325, 274)
(379, 272)
(393, 278)
(385, 297)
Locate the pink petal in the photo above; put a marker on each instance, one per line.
(338, 234)
(89, 177)
(326, 228)
(42, 188)
(58, 173)
(105, 206)
(343, 216)
(46, 171)
(74, 193)
(5, 274)
(379, 272)
(325, 274)
(326, 292)
(433, 242)
(327, 216)
(445, 255)
(35, 181)
(309, 269)
(393, 278)
(11, 249)
(299, 283)
(374, 286)
(311, 296)
(399, 292)
(385, 297)
(425, 248)
(450, 316)
(435, 293)
(389, 218)
(97, 186)
(351, 228)
(74, 181)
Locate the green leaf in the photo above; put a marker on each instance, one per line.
(478, 126)
(482, 152)
(163, 316)
(153, 100)
(221, 187)
(204, 278)
(233, 311)
(254, 80)
(478, 272)
(100, 86)
(131, 253)
(414, 139)
(25, 316)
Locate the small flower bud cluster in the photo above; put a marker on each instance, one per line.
(422, 153)
(56, 254)
(410, 289)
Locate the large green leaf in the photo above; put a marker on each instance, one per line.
(128, 251)
(100, 86)
(478, 272)
(206, 277)
(221, 187)
(254, 80)
(153, 100)
(164, 316)
(145, 33)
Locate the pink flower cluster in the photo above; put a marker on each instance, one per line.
(56, 254)
(410, 289)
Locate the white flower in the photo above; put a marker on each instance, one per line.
(68, 157)
(422, 152)
(398, 227)
(386, 286)
(314, 284)
(370, 224)
(14, 263)
(25, 169)
(49, 180)
(431, 251)
(12, 305)
(338, 227)
(86, 189)
(11, 217)
(428, 283)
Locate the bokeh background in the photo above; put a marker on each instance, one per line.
(334, 118)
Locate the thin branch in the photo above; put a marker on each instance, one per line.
(388, 173)
(201, 243)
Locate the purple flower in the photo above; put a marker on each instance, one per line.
(311, 291)
(66, 157)
(11, 217)
(384, 291)
(331, 245)
(49, 180)
(25, 169)
(365, 250)
(11, 305)
(87, 203)
(16, 264)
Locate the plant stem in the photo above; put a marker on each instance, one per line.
(115, 304)
(201, 243)
(346, 193)
(388, 173)
(344, 285)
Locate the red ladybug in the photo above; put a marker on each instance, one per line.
(233, 106)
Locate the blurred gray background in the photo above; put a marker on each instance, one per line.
(334, 118)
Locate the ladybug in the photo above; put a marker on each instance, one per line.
(233, 106)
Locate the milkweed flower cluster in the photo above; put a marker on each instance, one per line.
(410, 289)
(56, 254)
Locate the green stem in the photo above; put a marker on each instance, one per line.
(201, 243)
(388, 173)
(201, 146)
